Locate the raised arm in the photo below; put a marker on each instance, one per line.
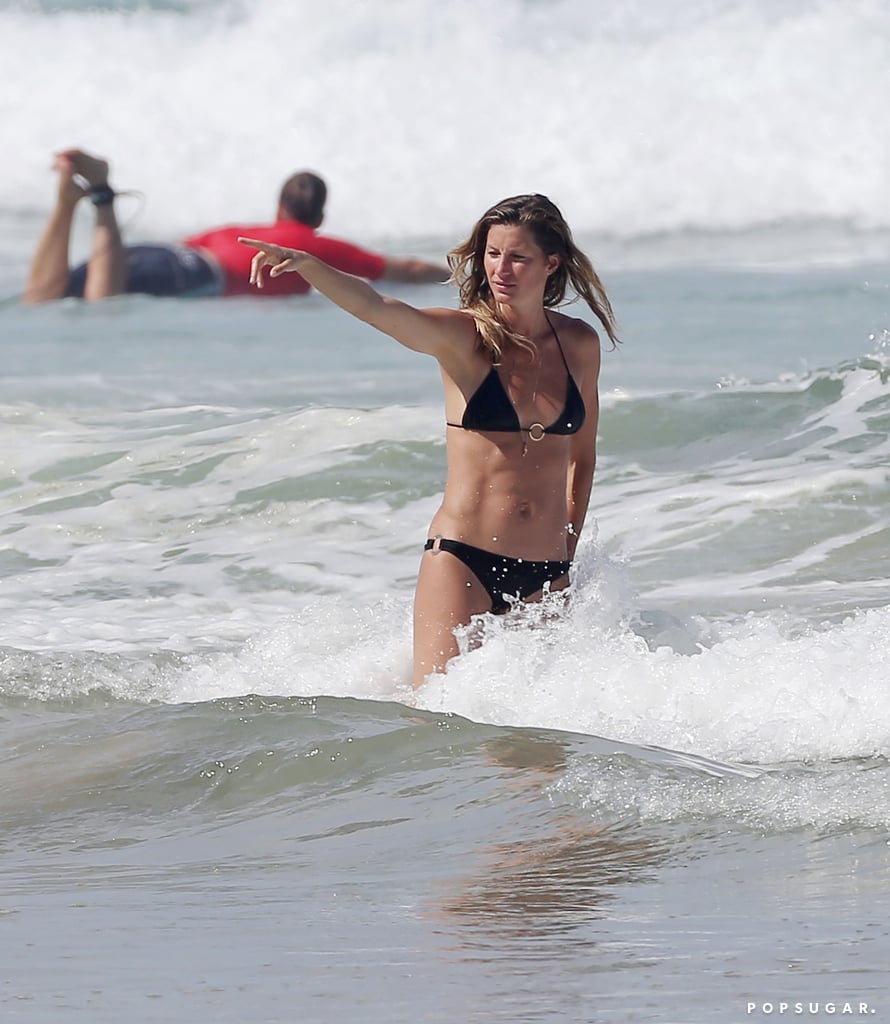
(409, 270)
(432, 331)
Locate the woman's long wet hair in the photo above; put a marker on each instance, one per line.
(552, 234)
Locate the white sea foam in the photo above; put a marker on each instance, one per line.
(763, 688)
(654, 119)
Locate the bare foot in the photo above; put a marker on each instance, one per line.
(72, 187)
(92, 169)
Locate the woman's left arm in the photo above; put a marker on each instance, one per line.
(582, 451)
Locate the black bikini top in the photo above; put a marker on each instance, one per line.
(490, 408)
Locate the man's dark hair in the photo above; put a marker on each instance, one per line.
(303, 197)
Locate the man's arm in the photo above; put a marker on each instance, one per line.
(409, 270)
(371, 265)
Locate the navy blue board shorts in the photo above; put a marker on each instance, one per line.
(162, 270)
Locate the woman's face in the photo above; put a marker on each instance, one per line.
(516, 267)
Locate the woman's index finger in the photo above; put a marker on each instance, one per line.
(255, 243)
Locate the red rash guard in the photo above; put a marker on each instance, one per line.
(234, 258)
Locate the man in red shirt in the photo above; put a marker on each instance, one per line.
(209, 263)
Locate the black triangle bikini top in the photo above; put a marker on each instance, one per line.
(490, 408)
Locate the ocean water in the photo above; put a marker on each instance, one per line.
(666, 800)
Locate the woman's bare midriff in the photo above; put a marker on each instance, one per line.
(505, 502)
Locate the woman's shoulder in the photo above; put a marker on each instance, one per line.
(459, 324)
(580, 344)
(452, 338)
(462, 319)
(573, 329)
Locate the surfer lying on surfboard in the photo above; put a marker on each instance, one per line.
(209, 263)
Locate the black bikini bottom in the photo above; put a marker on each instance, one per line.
(500, 575)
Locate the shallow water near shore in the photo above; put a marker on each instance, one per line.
(663, 801)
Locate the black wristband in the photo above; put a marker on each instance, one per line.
(101, 195)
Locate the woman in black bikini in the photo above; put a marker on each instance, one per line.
(521, 403)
